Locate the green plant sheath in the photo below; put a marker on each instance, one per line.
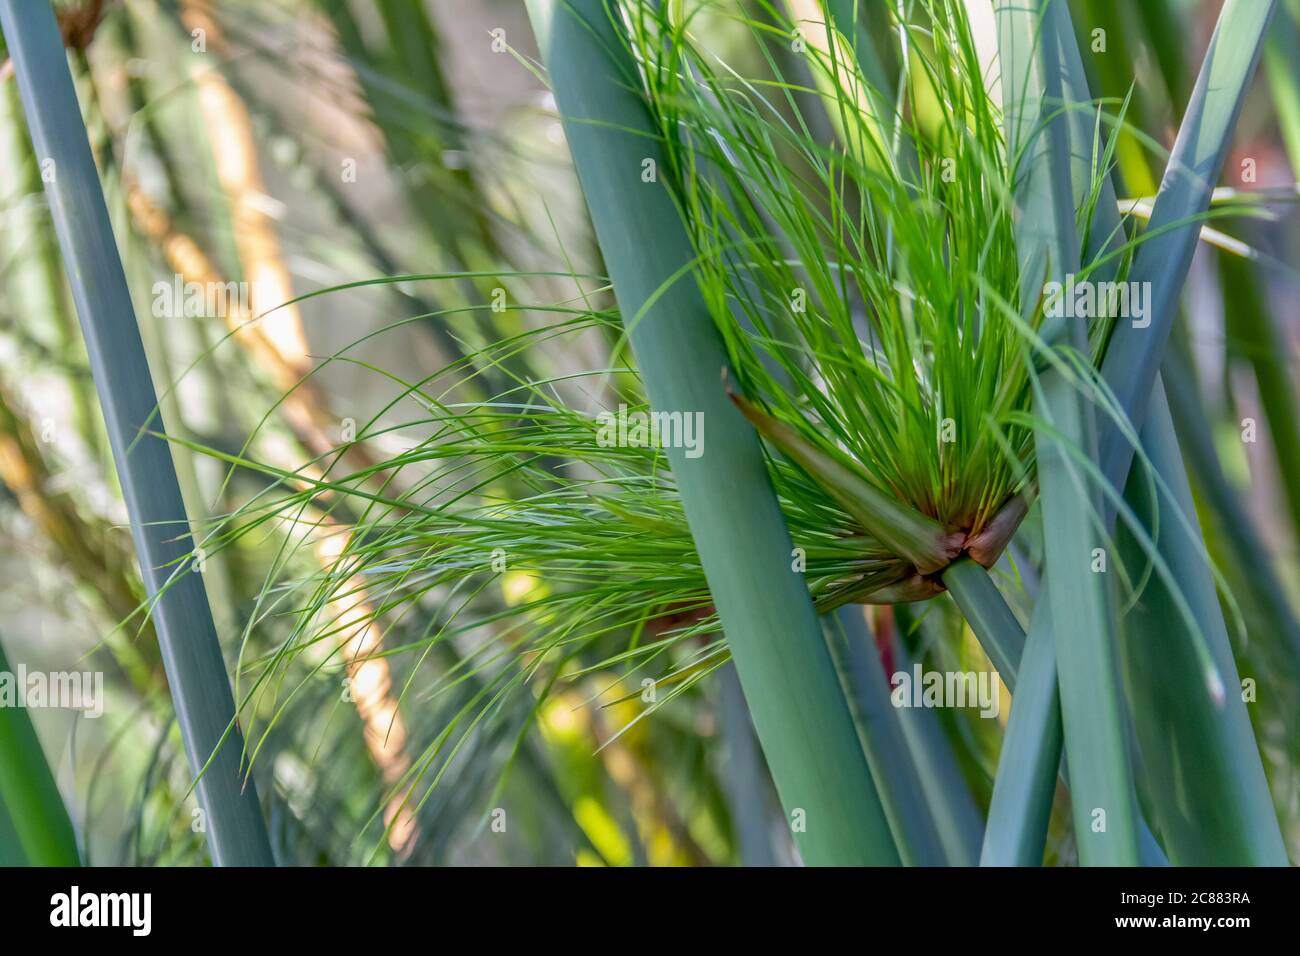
(800, 714)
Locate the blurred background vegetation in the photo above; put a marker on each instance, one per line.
(300, 145)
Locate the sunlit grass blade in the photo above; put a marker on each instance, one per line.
(35, 810)
(192, 656)
(735, 520)
(866, 25)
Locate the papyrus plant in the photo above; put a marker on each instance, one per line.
(842, 265)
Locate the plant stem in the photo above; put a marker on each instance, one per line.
(984, 608)
(800, 714)
(1213, 805)
(191, 653)
(1082, 620)
(1031, 755)
(866, 687)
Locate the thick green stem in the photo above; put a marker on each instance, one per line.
(866, 686)
(984, 608)
(785, 668)
(1082, 619)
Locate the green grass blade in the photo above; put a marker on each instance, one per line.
(866, 27)
(29, 794)
(866, 687)
(192, 656)
(800, 714)
(1213, 804)
(1083, 628)
(11, 850)
(1162, 26)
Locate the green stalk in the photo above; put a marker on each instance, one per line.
(1224, 503)
(958, 820)
(1213, 805)
(1081, 615)
(1281, 54)
(744, 778)
(29, 794)
(800, 714)
(1030, 760)
(866, 687)
(1251, 326)
(984, 608)
(1116, 454)
(11, 850)
(1031, 756)
(191, 653)
(1134, 354)
(865, 24)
